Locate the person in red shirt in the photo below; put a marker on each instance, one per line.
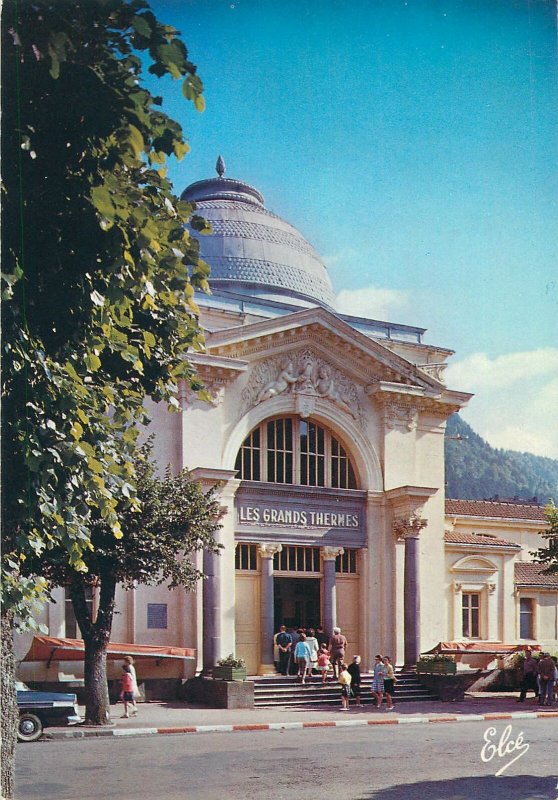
(128, 691)
(323, 662)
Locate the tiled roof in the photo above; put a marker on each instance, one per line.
(494, 509)
(528, 574)
(454, 537)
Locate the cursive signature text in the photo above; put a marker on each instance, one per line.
(505, 746)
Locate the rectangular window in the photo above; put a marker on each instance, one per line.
(246, 557)
(280, 451)
(342, 473)
(157, 615)
(248, 460)
(471, 615)
(526, 618)
(297, 559)
(347, 563)
(312, 454)
(71, 626)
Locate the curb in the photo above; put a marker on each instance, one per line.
(88, 733)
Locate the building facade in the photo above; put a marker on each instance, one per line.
(325, 433)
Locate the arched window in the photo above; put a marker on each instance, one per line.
(292, 450)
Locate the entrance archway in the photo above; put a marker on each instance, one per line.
(297, 602)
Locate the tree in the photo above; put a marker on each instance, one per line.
(549, 554)
(98, 273)
(176, 519)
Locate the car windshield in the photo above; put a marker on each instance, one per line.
(21, 687)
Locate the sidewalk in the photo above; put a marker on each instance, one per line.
(178, 717)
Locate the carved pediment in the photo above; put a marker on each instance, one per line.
(474, 564)
(308, 376)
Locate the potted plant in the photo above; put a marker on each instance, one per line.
(230, 669)
(437, 665)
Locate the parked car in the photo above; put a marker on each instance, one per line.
(38, 710)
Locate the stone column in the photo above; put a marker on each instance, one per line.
(267, 605)
(218, 629)
(212, 612)
(329, 554)
(409, 528)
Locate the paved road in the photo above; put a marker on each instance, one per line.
(436, 762)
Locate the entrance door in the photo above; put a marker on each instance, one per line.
(297, 602)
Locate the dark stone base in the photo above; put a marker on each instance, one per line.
(449, 688)
(218, 694)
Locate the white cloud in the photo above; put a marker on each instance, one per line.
(343, 255)
(372, 302)
(516, 398)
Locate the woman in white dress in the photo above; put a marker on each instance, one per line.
(312, 643)
(130, 662)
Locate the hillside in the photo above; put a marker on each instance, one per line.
(477, 471)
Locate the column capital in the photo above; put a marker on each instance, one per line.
(408, 526)
(224, 479)
(268, 549)
(410, 498)
(331, 553)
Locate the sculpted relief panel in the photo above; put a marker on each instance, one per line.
(306, 375)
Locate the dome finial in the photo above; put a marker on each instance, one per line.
(220, 166)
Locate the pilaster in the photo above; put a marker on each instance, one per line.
(267, 550)
(218, 588)
(329, 555)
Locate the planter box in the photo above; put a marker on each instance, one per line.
(449, 688)
(437, 667)
(227, 673)
(219, 694)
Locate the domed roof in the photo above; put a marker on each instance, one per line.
(253, 251)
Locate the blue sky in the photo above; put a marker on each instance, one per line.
(415, 144)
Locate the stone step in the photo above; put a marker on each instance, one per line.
(326, 701)
(280, 690)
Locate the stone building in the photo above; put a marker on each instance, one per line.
(326, 434)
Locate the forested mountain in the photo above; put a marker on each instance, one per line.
(477, 471)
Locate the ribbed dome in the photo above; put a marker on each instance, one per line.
(253, 251)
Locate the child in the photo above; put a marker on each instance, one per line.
(323, 662)
(345, 682)
(128, 691)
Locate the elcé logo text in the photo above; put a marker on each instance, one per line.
(504, 747)
(288, 516)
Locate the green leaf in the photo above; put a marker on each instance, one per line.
(76, 430)
(142, 26)
(101, 199)
(136, 140)
(95, 466)
(92, 362)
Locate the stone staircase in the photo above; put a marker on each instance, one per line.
(279, 690)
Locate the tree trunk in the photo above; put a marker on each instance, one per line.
(97, 703)
(10, 713)
(96, 636)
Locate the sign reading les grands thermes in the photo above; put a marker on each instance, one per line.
(296, 517)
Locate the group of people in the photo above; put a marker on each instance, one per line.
(307, 651)
(383, 682)
(541, 676)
